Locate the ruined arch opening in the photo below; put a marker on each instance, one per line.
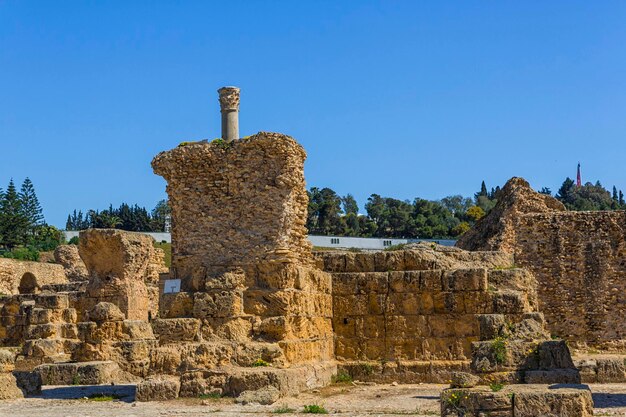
(28, 284)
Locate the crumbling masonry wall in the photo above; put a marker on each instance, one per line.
(240, 249)
(235, 203)
(579, 259)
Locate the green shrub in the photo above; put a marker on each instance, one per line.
(314, 409)
(28, 253)
(496, 386)
(342, 377)
(260, 362)
(74, 241)
(76, 380)
(499, 349)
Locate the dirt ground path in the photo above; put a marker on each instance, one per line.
(346, 400)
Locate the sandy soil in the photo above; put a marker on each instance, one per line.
(347, 400)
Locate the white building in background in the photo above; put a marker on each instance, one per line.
(339, 242)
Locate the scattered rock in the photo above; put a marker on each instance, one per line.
(158, 389)
(263, 396)
(463, 380)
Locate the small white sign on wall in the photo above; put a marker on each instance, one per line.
(171, 286)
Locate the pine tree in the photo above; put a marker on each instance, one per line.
(30, 205)
(68, 224)
(621, 198)
(615, 196)
(14, 224)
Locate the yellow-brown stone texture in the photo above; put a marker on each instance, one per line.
(120, 266)
(411, 307)
(13, 272)
(239, 245)
(235, 203)
(578, 258)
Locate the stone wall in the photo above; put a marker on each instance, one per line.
(578, 258)
(249, 288)
(34, 274)
(235, 203)
(414, 310)
(123, 269)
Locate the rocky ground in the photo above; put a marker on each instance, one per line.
(347, 400)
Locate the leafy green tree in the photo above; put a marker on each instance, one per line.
(160, 213)
(349, 204)
(475, 213)
(566, 188)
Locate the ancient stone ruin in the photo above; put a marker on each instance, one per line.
(247, 310)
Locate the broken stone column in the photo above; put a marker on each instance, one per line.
(229, 106)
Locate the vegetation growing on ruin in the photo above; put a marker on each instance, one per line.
(284, 410)
(260, 363)
(221, 143)
(499, 347)
(496, 386)
(454, 400)
(342, 377)
(104, 397)
(314, 409)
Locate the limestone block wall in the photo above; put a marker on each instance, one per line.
(579, 259)
(421, 304)
(421, 315)
(12, 272)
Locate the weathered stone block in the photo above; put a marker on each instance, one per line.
(176, 330)
(161, 389)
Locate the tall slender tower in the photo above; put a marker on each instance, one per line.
(578, 180)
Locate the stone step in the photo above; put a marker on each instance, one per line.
(235, 381)
(83, 373)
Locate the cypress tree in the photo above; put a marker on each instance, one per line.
(30, 205)
(14, 224)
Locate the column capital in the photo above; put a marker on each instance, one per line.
(229, 99)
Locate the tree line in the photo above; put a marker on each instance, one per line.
(332, 214)
(125, 217)
(450, 217)
(23, 230)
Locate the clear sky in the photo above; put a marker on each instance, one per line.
(399, 98)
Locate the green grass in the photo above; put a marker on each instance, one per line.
(100, 397)
(211, 396)
(314, 409)
(342, 377)
(76, 380)
(284, 410)
(167, 249)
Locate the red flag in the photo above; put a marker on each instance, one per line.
(578, 180)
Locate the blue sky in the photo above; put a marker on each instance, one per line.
(399, 98)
